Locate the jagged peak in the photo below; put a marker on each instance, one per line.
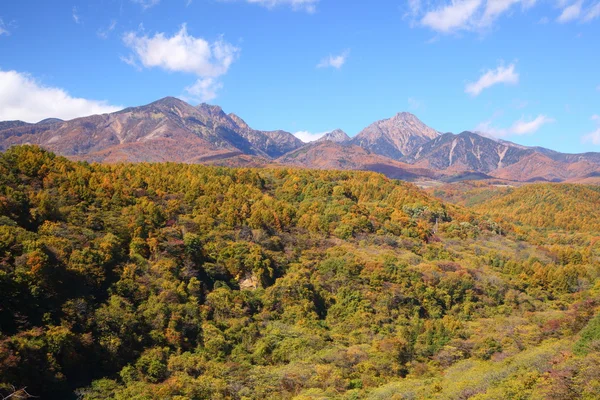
(336, 135)
(169, 101)
(405, 115)
(212, 109)
(239, 121)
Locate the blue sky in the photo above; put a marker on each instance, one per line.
(523, 70)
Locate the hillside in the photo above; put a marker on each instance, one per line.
(184, 281)
(567, 207)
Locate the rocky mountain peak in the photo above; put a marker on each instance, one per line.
(337, 135)
(395, 137)
(240, 122)
(211, 110)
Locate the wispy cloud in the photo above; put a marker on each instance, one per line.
(204, 89)
(462, 15)
(452, 17)
(309, 6)
(3, 29)
(593, 137)
(76, 16)
(591, 13)
(183, 53)
(518, 128)
(24, 98)
(524, 127)
(307, 137)
(146, 3)
(334, 61)
(414, 104)
(506, 75)
(571, 12)
(105, 33)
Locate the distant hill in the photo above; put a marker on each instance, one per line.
(565, 206)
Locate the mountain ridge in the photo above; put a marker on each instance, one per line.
(170, 129)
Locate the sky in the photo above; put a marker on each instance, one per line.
(527, 71)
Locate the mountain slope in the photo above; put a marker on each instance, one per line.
(183, 131)
(396, 136)
(538, 166)
(466, 152)
(546, 205)
(342, 156)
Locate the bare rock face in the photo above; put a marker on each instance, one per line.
(395, 137)
(336, 136)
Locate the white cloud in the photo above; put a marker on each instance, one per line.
(495, 8)
(184, 53)
(24, 98)
(414, 104)
(3, 29)
(306, 136)
(414, 6)
(203, 90)
(518, 128)
(76, 17)
(146, 3)
(506, 75)
(592, 13)
(104, 33)
(593, 137)
(309, 6)
(523, 127)
(334, 61)
(452, 17)
(571, 12)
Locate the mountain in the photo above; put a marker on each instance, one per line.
(166, 130)
(470, 151)
(338, 136)
(466, 151)
(344, 156)
(540, 167)
(395, 137)
(400, 147)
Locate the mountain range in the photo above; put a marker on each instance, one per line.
(401, 147)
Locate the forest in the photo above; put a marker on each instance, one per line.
(177, 281)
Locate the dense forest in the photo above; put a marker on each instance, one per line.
(176, 281)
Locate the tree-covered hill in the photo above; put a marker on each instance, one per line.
(175, 281)
(569, 207)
